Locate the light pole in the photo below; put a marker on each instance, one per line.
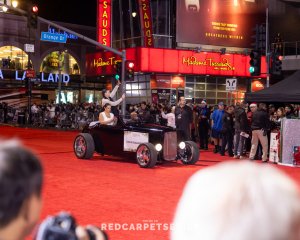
(60, 62)
(267, 48)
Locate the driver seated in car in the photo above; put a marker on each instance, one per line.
(106, 117)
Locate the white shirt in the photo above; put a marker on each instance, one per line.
(171, 119)
(106, 118)
(51, 112)
(34, 109)
(112, 94)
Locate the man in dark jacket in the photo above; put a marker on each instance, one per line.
(260, 125)
(227, 131)
(203, 124)
(241, 127)
(184, 118)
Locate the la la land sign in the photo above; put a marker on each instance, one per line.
(52, 77)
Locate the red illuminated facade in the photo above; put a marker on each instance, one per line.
(168, 61)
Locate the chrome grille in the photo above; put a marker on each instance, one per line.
(170, 146)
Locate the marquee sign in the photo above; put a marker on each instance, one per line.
(104, 22)
(146, 22)
(171, 61)
(44, 77)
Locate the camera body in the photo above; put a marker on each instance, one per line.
(59, 227)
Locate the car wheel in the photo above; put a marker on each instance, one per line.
(146, 155)
(190, 154)
(84, 146)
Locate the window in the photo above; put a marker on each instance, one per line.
(54, 60)
(13, 58)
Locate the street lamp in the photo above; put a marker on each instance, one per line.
(14, 3)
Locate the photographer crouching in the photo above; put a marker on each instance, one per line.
(21, 180)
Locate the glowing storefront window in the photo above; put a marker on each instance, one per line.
(13, 58)
(66, 61)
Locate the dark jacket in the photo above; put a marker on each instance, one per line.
(227, 123)
(241, 121)
(183, 117)
(260, 120)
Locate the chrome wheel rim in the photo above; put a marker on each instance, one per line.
(143, 155)
(80, 146)
(187, 154)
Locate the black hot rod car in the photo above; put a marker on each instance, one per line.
(148, 143)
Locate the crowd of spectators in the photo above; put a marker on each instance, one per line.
(233, 128)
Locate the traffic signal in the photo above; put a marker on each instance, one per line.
(118, 71)
(32, 17)
(255, 62)
(259, 37)
(276, 64)
(129, 70)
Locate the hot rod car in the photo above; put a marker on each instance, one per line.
(148, 143)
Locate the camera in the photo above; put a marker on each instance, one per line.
(61, 227)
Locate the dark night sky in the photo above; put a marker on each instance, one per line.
(77, 12)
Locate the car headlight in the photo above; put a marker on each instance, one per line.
(182, 145)
(158, 147)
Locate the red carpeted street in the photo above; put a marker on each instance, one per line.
(111, 192)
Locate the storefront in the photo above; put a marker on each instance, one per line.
(161, 75)
(51, 62)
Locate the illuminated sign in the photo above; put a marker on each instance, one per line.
(224, 64)
(257, 86)
(44, 77)
(100, 62)
(174, 62)
(104, 22)
(68, 35)
(146, 22)
(227, 23)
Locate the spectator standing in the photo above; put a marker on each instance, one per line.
(34, 108)
(217, 127)
(5, 111)
(144, 113)
(289, 112)
(203, 124)
(241, 126)
(184, 118)
(260, 125)
(227, 131)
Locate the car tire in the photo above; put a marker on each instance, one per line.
(192, 153)
(84, 146)
(146, 155)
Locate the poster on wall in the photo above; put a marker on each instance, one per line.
(161, 96)
(219, 22)
(133, 139)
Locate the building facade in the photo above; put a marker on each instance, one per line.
(51, 62)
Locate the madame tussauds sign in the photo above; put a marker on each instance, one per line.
(44, 77)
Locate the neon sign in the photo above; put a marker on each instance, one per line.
(104, 22)
(224, 64)
(52, 77)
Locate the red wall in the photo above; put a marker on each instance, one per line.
(174, 62)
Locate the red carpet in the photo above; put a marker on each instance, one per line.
(109, 190)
